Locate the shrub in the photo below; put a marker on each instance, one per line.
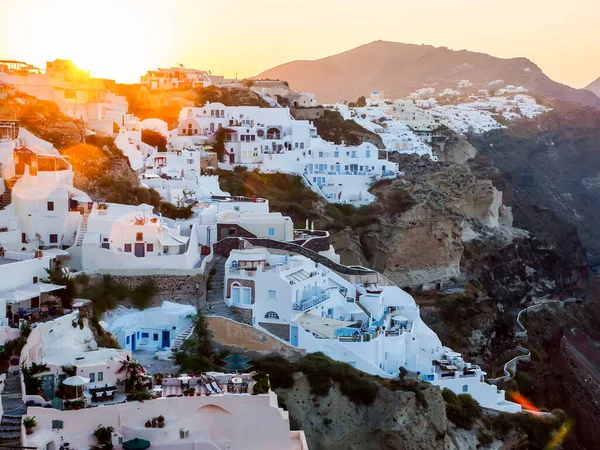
(484, 438)
(142, 295)
(154, 139)
(461, 409)
(107, 340)
(103, 434)
(262, 383)
(29, 422)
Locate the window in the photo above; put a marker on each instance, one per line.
(320, 154)
(35, 279)
(100, 376)
(272, 295)
(149, 247)
(272, 315)
(189, 161)
(302, 146)
(24, 238)
(155, 337)
(139, 236)
(128, 248)
(128, 340)
(145, 335)
(57, 425)
(271, 231)
(54, 238)
(92, 377)
(465, 388)
(106, 245)
(336, 154)
(368, 153)
(50, 206)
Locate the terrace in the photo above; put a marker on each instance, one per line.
(308, 303)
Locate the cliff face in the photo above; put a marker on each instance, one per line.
(396, 420)
(425, 243)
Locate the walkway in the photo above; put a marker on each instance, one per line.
(14, 409)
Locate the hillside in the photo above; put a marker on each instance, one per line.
(594, 87)
(399, 69)
(548, 168)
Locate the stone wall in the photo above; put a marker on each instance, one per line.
(237, 337)
(244, 314)
(178, 289)
(278, 329)
(307, 113)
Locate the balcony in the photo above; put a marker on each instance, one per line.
(304, 305)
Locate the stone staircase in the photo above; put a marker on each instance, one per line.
(365, 310)
(6, 197)
(14, 409)
(82, 230)
(214, 298)
(176, 344)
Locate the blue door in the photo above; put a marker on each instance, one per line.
(140, 250)
(48, 386)
(166, 338)
(294, 336)
(133, 346)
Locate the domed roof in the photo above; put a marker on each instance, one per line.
(374, 92)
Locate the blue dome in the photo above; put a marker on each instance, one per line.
(375, 92)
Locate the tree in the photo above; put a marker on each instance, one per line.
(362, 101)
(154, 139)
(219, 145)
(57, 276)
(203, 347)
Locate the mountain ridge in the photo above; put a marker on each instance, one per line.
(594, 87)
(399, 69)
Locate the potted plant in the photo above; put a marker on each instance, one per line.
(154, 420)
(103, 434)
(192, 391)
(29, 423)
(148, 424)
(160, 419)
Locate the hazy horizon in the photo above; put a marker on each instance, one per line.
(122, 40)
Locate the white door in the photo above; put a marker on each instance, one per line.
(235, 295)
(246, 296)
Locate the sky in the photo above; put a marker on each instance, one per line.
(122, 39)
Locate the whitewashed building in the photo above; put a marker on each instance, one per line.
(376, 329)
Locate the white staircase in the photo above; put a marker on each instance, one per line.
(82, 230)
(178, 341)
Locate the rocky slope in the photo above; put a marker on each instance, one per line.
(395, 420)
(399, 69)
(550, 171)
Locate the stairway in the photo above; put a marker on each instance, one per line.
(82, 230)
(366, 311)
(176, 344)
(6, 197)
(215, 298)
(14, 409)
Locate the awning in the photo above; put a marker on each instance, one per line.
(167, 240)
(321, 325)
(79, 196)
(28, 291)
(136, 444)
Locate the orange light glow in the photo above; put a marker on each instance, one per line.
(517, 397)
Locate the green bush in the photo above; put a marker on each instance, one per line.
(484, 438)
(461, 409)
(262, 383)
(142, 295)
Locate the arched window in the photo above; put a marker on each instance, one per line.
(271, 315)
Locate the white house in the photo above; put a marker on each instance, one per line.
(133, 237)
(377, 329)
(69, 342)
(150, 329)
